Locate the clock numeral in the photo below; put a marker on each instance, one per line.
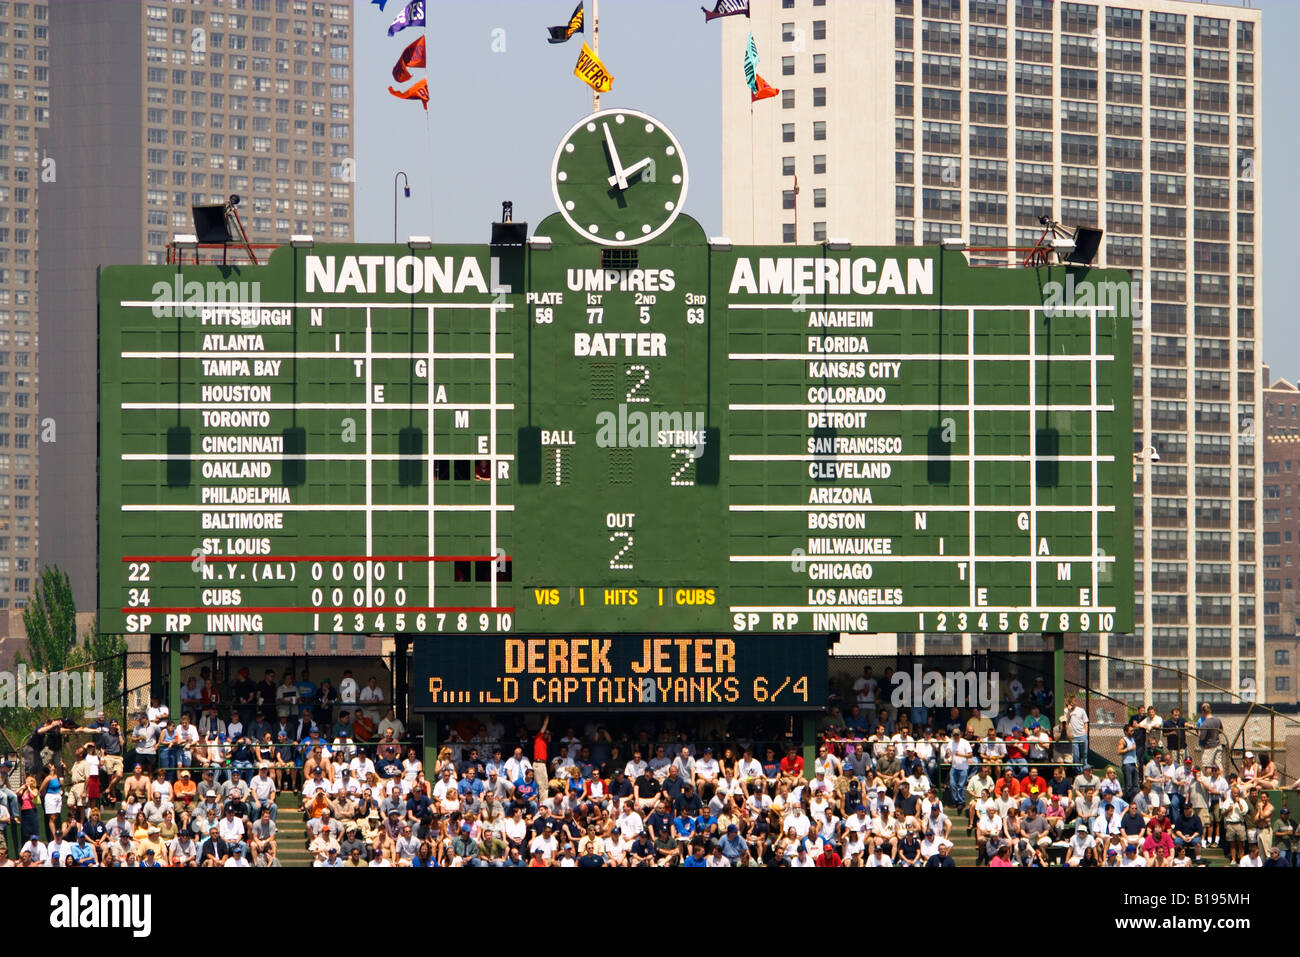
(596, 316)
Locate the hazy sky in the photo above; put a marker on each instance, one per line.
(502, 97)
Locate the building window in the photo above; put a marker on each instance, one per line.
(787, 99)
(787, 33)
(819, 130)
(787, 199)
(1282, 683)
(787, 132)
(819, 29)
(787, 233)
(787, 166)
(819, 62)
(787, 66)
(819, 232)
(1282, 656)
(819, 162)
(819, 198)
(819, 96)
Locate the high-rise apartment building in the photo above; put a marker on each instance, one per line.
(24, 118)
(907, 121)
(158, 105)
(1281, 533)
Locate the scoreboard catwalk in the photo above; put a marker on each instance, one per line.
(617, 428)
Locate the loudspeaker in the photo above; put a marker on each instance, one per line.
(210, 224)
(1087, 240)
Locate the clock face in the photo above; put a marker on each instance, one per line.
(619, 177)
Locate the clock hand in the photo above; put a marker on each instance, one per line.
(627, 173)
(619, 177)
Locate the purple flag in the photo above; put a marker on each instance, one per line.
(411, 16)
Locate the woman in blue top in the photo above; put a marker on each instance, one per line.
(52, 790)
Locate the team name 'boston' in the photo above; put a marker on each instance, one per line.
(833, 277)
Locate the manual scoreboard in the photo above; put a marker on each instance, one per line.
(619, 428)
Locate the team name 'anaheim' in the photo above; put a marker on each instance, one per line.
(794, 276)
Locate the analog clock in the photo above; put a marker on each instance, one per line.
(619, 177)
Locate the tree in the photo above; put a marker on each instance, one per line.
(51, 620)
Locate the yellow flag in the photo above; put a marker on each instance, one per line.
(592, 72)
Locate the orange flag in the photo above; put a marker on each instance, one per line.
(764, 90)
(418, 92)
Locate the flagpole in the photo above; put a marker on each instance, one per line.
(595, 48)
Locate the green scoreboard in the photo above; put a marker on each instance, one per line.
(617, 428)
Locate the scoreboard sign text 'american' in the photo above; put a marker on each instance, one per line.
(630, 672)
(673, 438)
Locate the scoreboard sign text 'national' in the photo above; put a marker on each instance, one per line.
(676, 438)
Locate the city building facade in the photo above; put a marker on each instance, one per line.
(908, 121)
(157, 106)
(1281, 533)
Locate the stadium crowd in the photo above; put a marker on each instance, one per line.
(887, 788)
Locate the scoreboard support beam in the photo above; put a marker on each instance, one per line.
(158, 680)
(1056, 640)
(401, 672)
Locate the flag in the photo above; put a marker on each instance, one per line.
(411, 56)
(418, 92)
(411, 16)
(726, 8)
(764, 90)
(751, 64)
(575, 25)
(380, 4)
(592, 72)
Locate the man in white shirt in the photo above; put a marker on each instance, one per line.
(684, 766)
(749, 767)
(828, 763)
(1080, 847)
(798, 820)
(865, 688)
(636, 767)
(1075, 719)
(958, 753)
(878, 858)
(629, 822)
(545, 842)
(231, 830)
(706, 769)
(1252, 859)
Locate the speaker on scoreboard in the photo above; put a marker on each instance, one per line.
(529, 451)
(178, 456)
(210, 224)
(1047, 462)
(294, 470)
(1087, 241)
(410, 442)
(938, 464)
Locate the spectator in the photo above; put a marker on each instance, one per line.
(1209, 735)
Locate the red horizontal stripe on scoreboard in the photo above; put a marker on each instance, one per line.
(317, 558)
(269, 611)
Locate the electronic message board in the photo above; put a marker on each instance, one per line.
(628, 672)
(667, 436)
